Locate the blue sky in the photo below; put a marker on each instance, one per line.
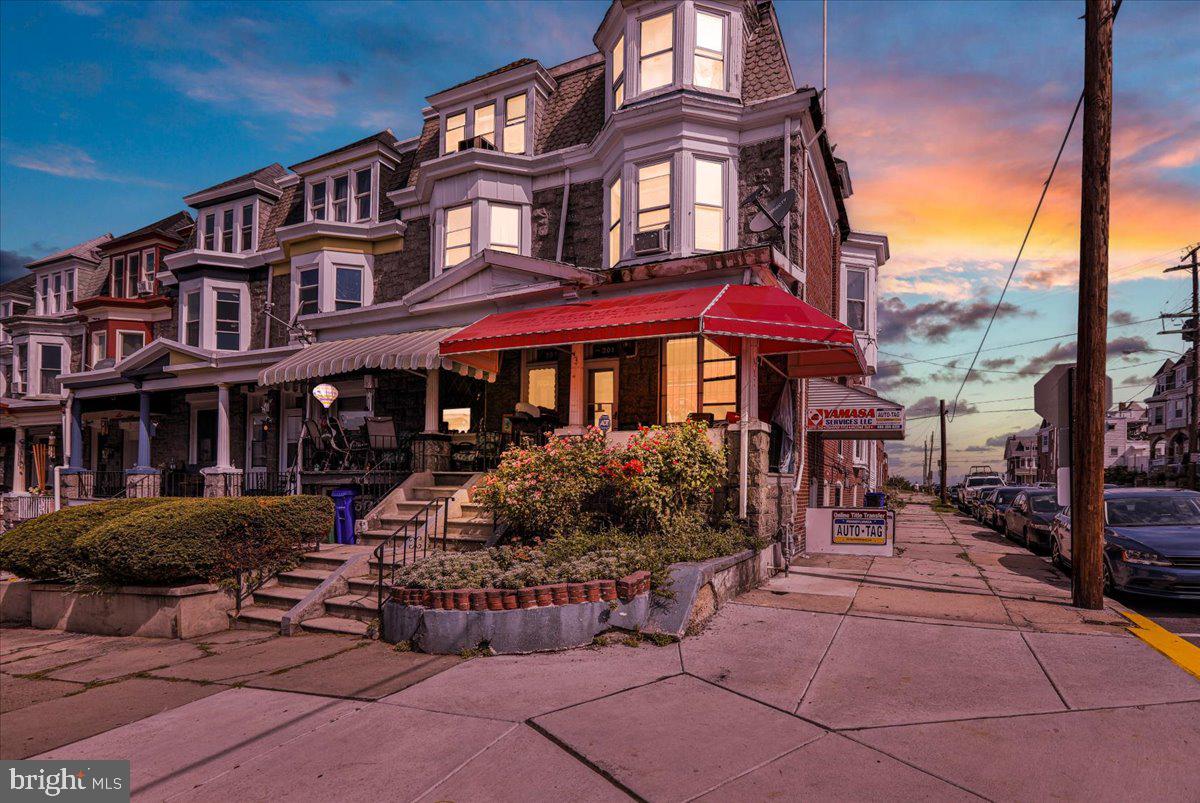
(949, 114)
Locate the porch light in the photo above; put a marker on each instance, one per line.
(325, 393)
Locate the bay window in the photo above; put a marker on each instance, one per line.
(341, 200)
(485, 123)
(362, 195)
(614, 222)
(348, 288)
(22, 367)
(654, 196)
(856, 300)
(227, 231)
(247, 230)
(697, 379)
(310, 291)
(228, 320)
(118, 277)
(709, 56)
(514, 124)
(457, 247)
(456, 129)
(99, 347)
(132, 275)
(51, 369)
(210, 232)
(618, 73)
(505, 228)
(191, 318)
(656, 65)
(316, 201)
(129, 342)
(709, 212)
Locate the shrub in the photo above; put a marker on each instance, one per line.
(45, 548)
(676, 471)
(206, 540)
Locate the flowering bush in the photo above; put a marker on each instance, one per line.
(675, 471)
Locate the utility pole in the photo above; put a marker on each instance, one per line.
(942, 464)
(1087, 439)
(1191, 331)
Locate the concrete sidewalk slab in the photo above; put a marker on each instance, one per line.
(518, 687)
(1057, 616)
(1103, 671)
(836, 768)
(524, 766)
(129, 660)
(857, 564)
(21, 692)
(882, 672)
(676, 738)
(784, 600)
(959, 605)
(16, 639)
(1111, 755)
(804, 581)
(377, 752)
(172, 752)
(260, 658)
(44, 726)
(67, 651)
(371, 670)
(767, 654)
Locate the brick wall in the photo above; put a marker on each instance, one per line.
(584, 236)
(760, 167)
(258, 299)
(169, 447)
(638, 386)
(546, 214)
(281, 297)
(398, 273)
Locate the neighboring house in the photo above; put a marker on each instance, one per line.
(1123, 427)
(1168, 411)
(555, 240)
(1021, 459)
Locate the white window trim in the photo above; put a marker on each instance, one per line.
(347, 171)
(500, 99)
(47, 300)
(689, 37)
(481, 228)
(676, 41)
(218, 213)
(139, 332)
(99, 346)
(326, 264)
(726, 178)
(208, 288)
(611, 260)
(33, 353)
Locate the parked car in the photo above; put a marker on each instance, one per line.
(975, 502)
(1151, 541)
(996, 504)
(971, 487)
(1028, 519)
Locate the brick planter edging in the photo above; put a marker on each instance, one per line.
(506, 599)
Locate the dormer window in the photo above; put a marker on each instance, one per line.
(247, 234)
(485, 123)
(514, 124)
(227, 231)
(131, 275)
(458, 236)
(709, 69)
(456, 132)
(618, 72)
(656, 65)
(210, 232)
(505, 228)
(362, 194)
(654, 196)
(316, 201)
(329, 197)
(341, 200)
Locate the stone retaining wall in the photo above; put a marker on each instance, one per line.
(170, 612)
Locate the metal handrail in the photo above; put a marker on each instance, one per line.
(423, 532)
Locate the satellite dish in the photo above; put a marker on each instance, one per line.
(770, 216)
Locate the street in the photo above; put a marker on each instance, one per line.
(1180, 617)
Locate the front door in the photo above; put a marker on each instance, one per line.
(602, 396)
(206, 438)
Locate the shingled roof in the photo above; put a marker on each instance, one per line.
(384, 137)
(22, 285)
(172, 227)
(267, 175)
(765, 72)
(510, 66)
(88, 251)
(574, 114)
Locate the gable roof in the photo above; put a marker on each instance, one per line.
(172, 227)
(766, 72)
(89, 251)
(22, 285)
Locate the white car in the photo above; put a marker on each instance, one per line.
(971, 487)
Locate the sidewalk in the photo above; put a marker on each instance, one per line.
(951, 671)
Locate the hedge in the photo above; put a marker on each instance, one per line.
(166, 541)
(45, 548)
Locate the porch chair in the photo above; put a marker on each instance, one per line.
(383, 441)
(320, 444)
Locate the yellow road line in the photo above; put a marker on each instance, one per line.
(1183, 653)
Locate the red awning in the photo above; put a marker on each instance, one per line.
(782, 323)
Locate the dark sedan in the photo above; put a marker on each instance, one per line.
(1029, 517)
(1151, 541)
(996, 505)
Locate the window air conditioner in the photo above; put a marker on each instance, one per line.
(145, 288)
(655, 241)
(481, 143)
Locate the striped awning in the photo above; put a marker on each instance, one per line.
(851, 412)
(407, 351)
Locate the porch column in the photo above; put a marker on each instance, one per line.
(143, 449)
(748, 404)
(223, 426)
(18, 483)
(433, 380)
(576, 407)
(75, 433)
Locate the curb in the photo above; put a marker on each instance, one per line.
(1181, 652)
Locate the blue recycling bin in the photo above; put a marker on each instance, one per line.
(343, 515)
(874, 499)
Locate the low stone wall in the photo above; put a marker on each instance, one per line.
(14, 601)
(173, 612)
(698, 590)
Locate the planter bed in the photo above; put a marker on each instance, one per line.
(154, 612)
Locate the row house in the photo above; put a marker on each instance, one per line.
(1020, 460)
(1168, 413)
(559, 247)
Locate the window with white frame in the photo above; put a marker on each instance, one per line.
(151, 269)
(129, 342)
(362, 194)
(618, 73)
(310, 291)
(118, 277)
(341, 199)
(45, 302)
(344, 197)
(348, 288)
(210, 232)
(504, 228)
(514, 124)
(227, 231)
(21, 358)
(316, 201)
(132, 273)
(654, 196)
(614, 222)
(856, 299)
(656, 64)
(51, 368)
(485, 123)
(709, 212)
(228, 305)
(191, 318)
(99, 347)
(457, 247)
(247, 229)
(456, 131)
(58, 293)
(709, 56)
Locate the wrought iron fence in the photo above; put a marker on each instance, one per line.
(423, 533)
(268, 483)
(183, 484)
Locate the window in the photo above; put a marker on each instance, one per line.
(541, 386)
(709, 70)
(856, 300)
(719, 392)
(485, 123)
(99, 347)
(710, 205)
(118, 280)
(514, 124)
(191, 318)
(341, 200)
(457, 419)
(680, 379)
(654, 196)
(227, 231)
(698, 380)
(657, 55)
(46, 300)
(456, 129)
(58, 293)
(458, 236)
(614, 222)
(51, 368)
(618, 73)
(129, 343)
(228, 320)
(316, 201)
(151, 270)
(505, 227)
(131, 275)
(247, 228)
(362, 195)
(210, 229)
(310, 291)
(70, 289)
(348, 288)
(22, 368)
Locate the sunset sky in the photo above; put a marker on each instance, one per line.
(948, 113)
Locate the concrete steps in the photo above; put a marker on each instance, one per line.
(352, 606)
(335, 624)
(256, 617)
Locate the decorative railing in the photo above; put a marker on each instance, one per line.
(423, 533)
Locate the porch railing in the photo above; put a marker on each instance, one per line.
(268, 483)
(424, 532)
(182, 484)
(30, 507)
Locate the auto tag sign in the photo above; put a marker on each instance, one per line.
(860, 527)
